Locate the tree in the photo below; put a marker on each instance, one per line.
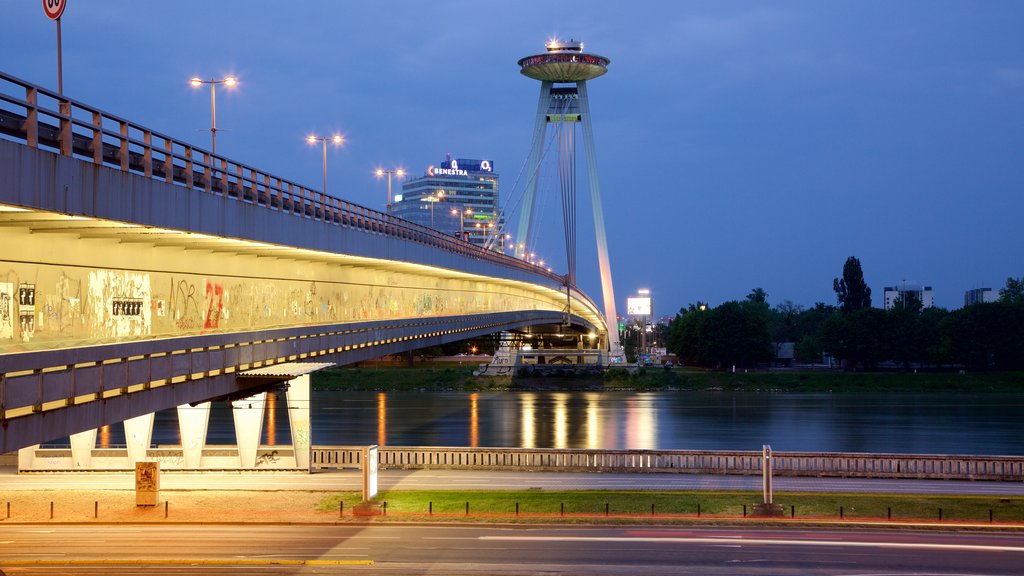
(851, 291)
(758, 295)
(986, 336)
(1013, 293)
(783, 324)
(685, 334)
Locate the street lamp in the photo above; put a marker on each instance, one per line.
(397, 172)
(484, 229)
(230, 82)
(314, 139)
(649, 309)
(462, 220)
(433, 199)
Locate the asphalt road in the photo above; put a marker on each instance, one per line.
(457, 479)
(413, 549)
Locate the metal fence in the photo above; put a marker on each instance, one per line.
(828, 464)
(43, 119)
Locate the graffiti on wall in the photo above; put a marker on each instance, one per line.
(49, 305)
(119, 303)
(6, 310)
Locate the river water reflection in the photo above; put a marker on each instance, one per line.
(902, 423)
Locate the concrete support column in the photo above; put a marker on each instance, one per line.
(193, 422)
(138, 434)
(248, 416)
(297, 398)
(81, 449)
(27, 457)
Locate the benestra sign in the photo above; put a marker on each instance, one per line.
(460, 167)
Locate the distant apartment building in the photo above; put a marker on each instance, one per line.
(893, 294)
(458, 197)
(979, 296)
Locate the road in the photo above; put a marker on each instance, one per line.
(457, 550)
(458, 479)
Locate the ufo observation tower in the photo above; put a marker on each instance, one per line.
(563, 71)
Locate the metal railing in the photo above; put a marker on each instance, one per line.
(43, 119)
(821, 464)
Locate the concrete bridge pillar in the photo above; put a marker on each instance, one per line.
(82, 444)
(193, 423)
(297, 398)
(248, 416)
(138, 434)
(27, 457)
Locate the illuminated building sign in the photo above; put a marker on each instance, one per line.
(460, 167)
(638, 306)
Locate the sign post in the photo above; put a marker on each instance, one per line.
(768, 507)
(147, 483)
(369, 473)
(53, 10)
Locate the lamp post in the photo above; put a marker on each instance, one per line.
(228, 81)
(314, 139)
(433, 199)
(485, 230)
(462, 220)
(397, 172)
(644, 293)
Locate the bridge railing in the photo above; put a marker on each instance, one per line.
(815, 464)
(43, 119)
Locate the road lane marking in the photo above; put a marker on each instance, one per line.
(182, 562)
(765, 541)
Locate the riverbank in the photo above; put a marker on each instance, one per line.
(459, 377)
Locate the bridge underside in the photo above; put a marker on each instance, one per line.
(56, 393)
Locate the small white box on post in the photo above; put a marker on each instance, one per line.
(147, 483)
(369, 473)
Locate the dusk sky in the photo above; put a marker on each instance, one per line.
(740, 144)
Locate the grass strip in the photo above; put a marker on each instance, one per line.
(574, 505)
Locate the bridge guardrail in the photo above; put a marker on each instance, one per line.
(814, 464)
(44, 119)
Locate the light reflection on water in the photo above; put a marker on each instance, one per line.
(902, 423)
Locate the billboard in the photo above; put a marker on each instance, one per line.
(638, 306)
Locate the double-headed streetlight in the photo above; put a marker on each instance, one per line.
(312, 139)
(433, 199)
(230, 82)
(397, 172)
(462, 220)
(486, 229)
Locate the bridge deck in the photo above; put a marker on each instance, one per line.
(143, 273)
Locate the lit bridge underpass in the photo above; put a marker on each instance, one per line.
(140, 274)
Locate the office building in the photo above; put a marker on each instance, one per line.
(458, 197)
(893, 294)
(979, 296)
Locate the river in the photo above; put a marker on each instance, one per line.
(939, 423)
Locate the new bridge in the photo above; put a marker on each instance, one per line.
(140, 273)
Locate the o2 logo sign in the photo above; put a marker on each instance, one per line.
(485, 165)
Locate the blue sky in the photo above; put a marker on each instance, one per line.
(741, 144)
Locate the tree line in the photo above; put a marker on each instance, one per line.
(984, 336)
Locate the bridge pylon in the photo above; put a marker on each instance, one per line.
(563, 72)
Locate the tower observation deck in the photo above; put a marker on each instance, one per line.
(564, 62)
(564, 107)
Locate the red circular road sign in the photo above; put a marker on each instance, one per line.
(54, 8)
